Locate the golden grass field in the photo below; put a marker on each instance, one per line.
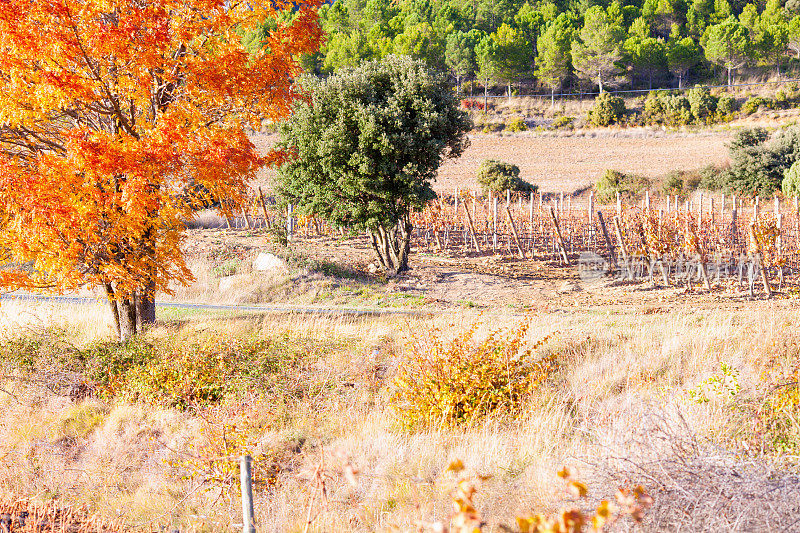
(673, 401)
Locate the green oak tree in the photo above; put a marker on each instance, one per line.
(365, 149)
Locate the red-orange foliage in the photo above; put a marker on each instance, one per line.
(110, 110)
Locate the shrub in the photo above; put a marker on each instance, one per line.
(677, 110)
(472, 104)
(613, 182)
(673, 184)
(712, 178)
(758, 163)
(702, 103)
(462, 380)
(755, 103)
(517, 124)
(499, 176)
(653, 108)
(726, 105)
(607, 110)
(562, 122)
(791, 180)
(493, 127)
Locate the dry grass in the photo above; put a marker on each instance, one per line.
(619, 410)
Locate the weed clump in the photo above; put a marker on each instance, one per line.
(461, 380)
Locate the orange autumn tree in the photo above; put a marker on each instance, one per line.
(114, 115)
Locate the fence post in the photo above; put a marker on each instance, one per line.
(494, 225)
(246, 479)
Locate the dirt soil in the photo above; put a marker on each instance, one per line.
(443, 281)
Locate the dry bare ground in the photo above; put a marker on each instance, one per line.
(560, 162)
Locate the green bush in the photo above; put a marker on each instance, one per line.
(673, 184)
(726, 105)
(493, 127)
(758, 162)
(563, 122)
(499, 176)
(653, 108)
(791, 181)
(702, 103)
(677, 110)
(712, 178)
(607, 110)
(755, 103)
(517, 124)
(629, 186)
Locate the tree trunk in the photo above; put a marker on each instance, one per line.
(392, 246)
(600, 82)
(127, 318)
(680, 81)
(509, 92)
(485, 94)
(112, 304)
(146, 307)
(729, 77)
(552, 96)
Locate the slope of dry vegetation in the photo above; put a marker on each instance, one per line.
(696, 405)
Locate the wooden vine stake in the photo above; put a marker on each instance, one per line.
(514, 232)
(472, 226)
(759, 261)
(609, 244)
(558, 236)
(622, 245)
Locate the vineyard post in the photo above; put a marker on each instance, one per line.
(514, 232)
(700, 211)
(530, 213)
(263, 207)
(569, 206)
(619, 205)
(779, 247)
(456, 201)
(711, 209)
(755, 208)
(472, 226)
(591, 206)
(558, 235)
(609, 244)
(561, 205)
(246, 481)
(519, 202)
(508, 197)
(759, 260)
(777, 205)
(647, 201)
(677, 209)
(494, 225)
(622, 245)
(541, 195)
(722, 207)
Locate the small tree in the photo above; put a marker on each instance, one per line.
(499, 177)
(682, 54)
(364, 151)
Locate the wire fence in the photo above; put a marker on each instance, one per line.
(623, 92)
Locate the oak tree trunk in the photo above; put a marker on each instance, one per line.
(392, 246)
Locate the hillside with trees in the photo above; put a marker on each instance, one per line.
(566, 45)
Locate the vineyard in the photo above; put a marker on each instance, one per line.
(704, 239)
